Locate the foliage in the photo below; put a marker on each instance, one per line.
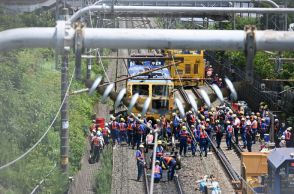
(263, 66)
(104, 177)
(29, 100)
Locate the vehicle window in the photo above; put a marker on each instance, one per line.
(142, 90)
(159, 90)
(160, 104)
(187, 68)
(196, 68)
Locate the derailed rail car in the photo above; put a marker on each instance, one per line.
(191, 69)
(157, 85)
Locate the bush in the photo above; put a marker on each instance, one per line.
(104, 176)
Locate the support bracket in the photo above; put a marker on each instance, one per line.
(78, 49)
(250, 51)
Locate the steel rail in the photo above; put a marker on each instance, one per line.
(236, 181)
(237, 147)
(173, 10)
(184, 95)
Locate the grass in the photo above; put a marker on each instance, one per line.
(104, 176)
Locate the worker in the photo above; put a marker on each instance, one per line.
(267, 120)
(130, 129)
(140, 161)
(247, 121)
(208, 130)
(193, 140)
(254, 127)
(288, 135)
(176, 125)
(236, 126)
(229, 133)
(263, 128)
(100, 137)
(243, 132)
(249, 137)
(93, 126)
(157, 171)
(169, 129)
(123, 131)
(203, 141)
(183, 140)
(218, 133)
(191, 118)
(96, 144)
(159, 151)
(171, 163)
(140, 133)
(105, 133)
(114, 131)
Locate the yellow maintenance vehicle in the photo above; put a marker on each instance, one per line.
(191, 68)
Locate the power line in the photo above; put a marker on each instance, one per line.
(43, 136)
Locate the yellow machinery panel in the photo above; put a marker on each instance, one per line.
(160, 92)
(255, 163)
(253, 166)
(193, 66)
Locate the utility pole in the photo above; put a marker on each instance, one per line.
(64, 143)
(89, 65)
(64, 134)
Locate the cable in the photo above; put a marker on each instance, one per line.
(43, 180)
(103, 68)
(43, 136)
(98, 50)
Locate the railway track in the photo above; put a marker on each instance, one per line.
(231, 172)
(164, 186)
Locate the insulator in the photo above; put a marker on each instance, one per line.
(95, 85)
(205, 97)
(218, 92)
(120, 97)
(231, 88)
(146, 106)
(107, 92)
(193, 103)
(180, 107)
(133, 102)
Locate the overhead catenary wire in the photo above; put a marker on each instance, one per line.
(44, 135)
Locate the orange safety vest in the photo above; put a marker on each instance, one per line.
(230, 129)
(105, 131)
(168, 159)
(122, 127)
(183, 134)
(193, 119)
(95, 140)
(254, 124)
(114, 125)
(157, 169)
(203, 135)
(130, 127)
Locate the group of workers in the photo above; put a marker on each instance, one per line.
(196, 129)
